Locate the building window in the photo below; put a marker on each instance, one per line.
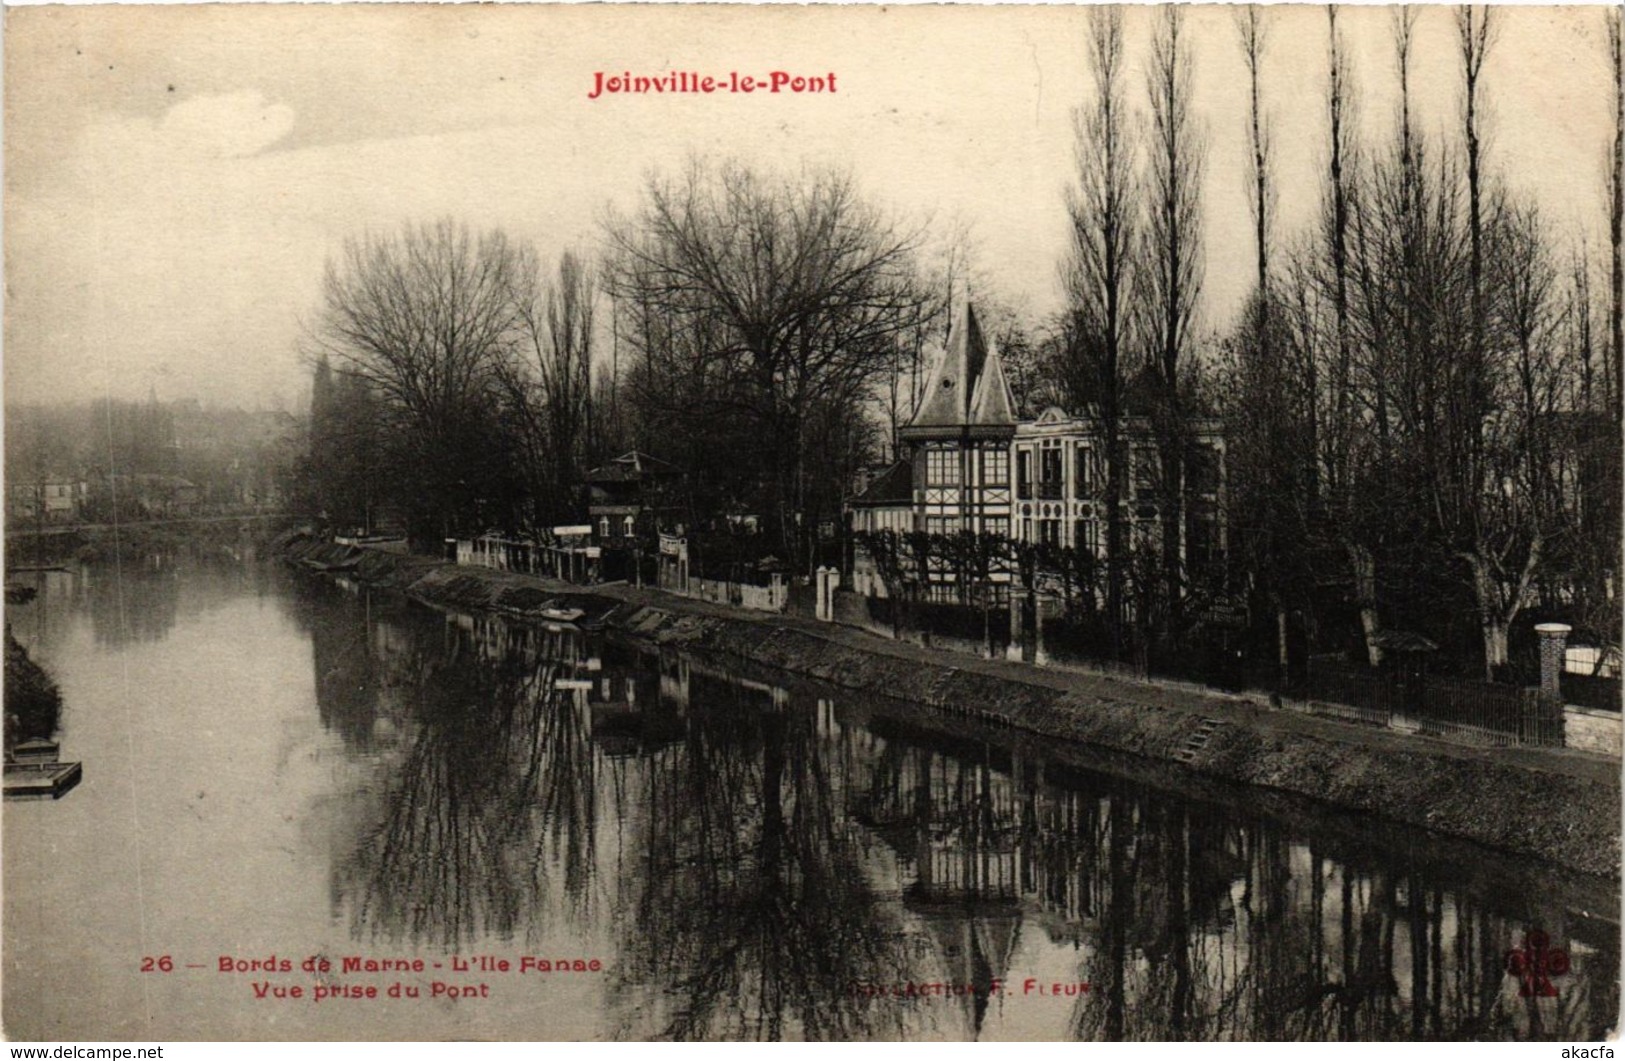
(941, 524)
(999, 525)
(1203, 553)
(1145, 473)
(1050, 478)
(996, 467)
(1203, 472)
(603, 526)
(1024, 473)
(940, 469)
(1049, 531)
(1086, 477)
(1086, 535)
(626, 526)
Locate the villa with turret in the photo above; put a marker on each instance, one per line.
(967, 462)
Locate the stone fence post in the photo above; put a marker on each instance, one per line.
(1553, 638)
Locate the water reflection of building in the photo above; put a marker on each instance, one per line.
(763, 843)
(1189, 921)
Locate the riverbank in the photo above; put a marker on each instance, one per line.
(33, 702)
(135, 540)
(1556, 805)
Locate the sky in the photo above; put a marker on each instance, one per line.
(176, 177)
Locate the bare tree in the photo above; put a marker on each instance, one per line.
(1507, 392)
(1341, 427)
(790, 294)
(1388, 228)
(550, 390)
(1100, 274)
(426, 316)
(1516, 506)
(1473, 34)
(1589, 461)
(1251, 29)
(1271, 392)
(1173, 233)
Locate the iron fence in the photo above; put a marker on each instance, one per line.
(1479, 711)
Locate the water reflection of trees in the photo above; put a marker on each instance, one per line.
(493, 790)
(141, 598)
(745, 906)
(133, 603)
(766, 859)
(1195, 924)
(753, 912)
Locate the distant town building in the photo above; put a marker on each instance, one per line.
(166, 496)
(52, 499)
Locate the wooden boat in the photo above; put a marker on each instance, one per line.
(562, 615)
(41, 780)
(37, 751)
(346, 564)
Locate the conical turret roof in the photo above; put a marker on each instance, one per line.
(967, 389)
(993, 405)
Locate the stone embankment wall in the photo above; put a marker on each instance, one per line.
(1573, 821)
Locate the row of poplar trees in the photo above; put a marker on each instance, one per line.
(1422, 397)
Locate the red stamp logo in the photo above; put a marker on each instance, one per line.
(1535, 963)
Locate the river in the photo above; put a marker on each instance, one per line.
(284, 769)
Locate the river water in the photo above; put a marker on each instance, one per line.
(279, 768)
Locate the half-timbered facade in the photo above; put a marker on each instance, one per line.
(959, 440)
(968, 464)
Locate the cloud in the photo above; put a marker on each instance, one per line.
(234, 125)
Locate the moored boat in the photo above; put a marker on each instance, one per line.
(41, 780)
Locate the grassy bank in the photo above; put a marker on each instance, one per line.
(135, 541)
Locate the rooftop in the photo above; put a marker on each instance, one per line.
(631, 467)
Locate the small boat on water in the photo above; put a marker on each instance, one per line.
(37, 751)
(348, 563)
(41, 780)
(562, 615)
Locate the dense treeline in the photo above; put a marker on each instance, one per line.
(1421, 406)
(1420, 398)
(753, 321)
(1423, 422)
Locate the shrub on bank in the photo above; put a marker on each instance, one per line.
(33, 702)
